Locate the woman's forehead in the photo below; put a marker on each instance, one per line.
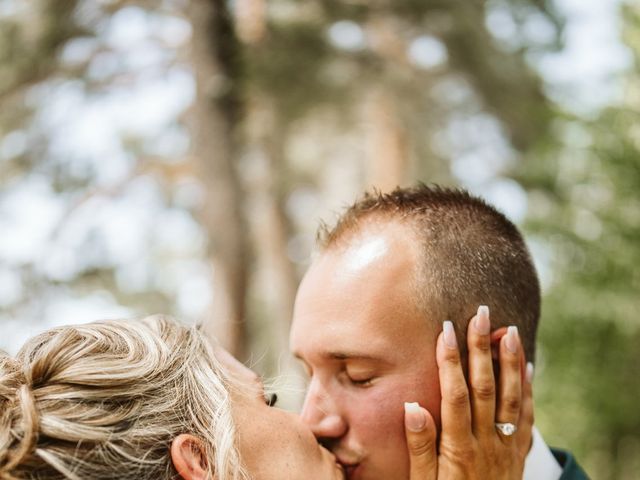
(239, 372)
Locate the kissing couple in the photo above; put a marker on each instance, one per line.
(416, 324)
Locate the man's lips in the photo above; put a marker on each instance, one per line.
(349, 468)
(350, 461)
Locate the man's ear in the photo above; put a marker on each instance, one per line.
(189, 457)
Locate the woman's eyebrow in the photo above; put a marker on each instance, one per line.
(258, 380)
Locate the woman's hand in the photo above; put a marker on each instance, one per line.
(470, 444)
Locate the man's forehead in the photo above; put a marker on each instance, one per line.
(373, 236)
(376, 257)
(360, 297)
(375, 332)
(365, 251)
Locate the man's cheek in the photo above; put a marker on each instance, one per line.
(422, 387)
(380, 411)
(380, 418)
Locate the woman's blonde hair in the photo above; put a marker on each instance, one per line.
(105, 400)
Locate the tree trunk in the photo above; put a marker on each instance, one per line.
(275, 276)
(386, 142)
(216, 114)
(251, 20)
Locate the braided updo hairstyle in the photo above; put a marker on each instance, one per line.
(105, 400)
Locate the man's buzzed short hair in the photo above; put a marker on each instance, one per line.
(471, 255)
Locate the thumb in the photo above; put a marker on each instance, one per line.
(420, 431)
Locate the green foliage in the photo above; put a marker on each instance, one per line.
(289, 64)
(586, 209)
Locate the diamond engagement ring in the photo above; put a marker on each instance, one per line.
(506, 429)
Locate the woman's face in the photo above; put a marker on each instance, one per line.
(274, 444)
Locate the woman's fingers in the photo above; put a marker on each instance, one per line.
(455, 409)
(464, 450)
(420, 431)
(525, 424)
(463, 453)
(510, 389)
(481, 379)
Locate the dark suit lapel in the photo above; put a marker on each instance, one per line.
(570, 468)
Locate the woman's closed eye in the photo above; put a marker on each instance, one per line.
(271, 399)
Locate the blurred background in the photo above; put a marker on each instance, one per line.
(177, 156)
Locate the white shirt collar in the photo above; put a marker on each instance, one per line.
(540, 463)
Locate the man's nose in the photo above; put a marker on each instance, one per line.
(320, 414)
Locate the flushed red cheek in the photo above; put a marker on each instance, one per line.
(377, 427)
(378, 413)
(379, 416)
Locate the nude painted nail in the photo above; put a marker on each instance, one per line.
(414, 418)
(482, 323)
(529, 372)
(512, 339)
(449, 334)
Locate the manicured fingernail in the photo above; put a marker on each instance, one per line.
(482, 323)
(449, 334)
(512, 339)
(414, 418)
(529, 372)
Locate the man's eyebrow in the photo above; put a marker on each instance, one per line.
(344, 355)
(350, 355)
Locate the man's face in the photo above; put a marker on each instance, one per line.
(367, 350)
